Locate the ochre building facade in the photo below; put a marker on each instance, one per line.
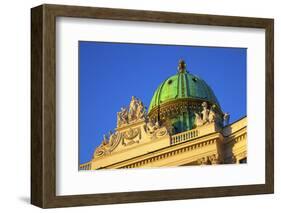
(183, 126)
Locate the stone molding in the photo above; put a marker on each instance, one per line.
(171, 153)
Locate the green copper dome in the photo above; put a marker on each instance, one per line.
(183, 85)
(176, 101)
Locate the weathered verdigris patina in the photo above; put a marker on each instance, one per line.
(181, 87)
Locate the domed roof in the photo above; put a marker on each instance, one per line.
(183, 85)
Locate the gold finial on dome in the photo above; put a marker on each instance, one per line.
(182, 66)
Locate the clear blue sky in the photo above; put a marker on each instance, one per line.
(110, 73)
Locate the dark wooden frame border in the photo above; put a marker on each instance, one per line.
(43, 105)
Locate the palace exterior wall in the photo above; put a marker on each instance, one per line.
(137, 147)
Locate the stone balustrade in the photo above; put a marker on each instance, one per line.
(184, 136)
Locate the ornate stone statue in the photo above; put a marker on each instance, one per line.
(205, 113)
(226, 117)
(122, 117)
(198, 120)
(212, 115)
(105, 140)
(132, 108)
(112, 136)
(140, 112)
(135, 112)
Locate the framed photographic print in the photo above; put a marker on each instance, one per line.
(136, 106)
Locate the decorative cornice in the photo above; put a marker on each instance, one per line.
(170, 153)
(236, 137)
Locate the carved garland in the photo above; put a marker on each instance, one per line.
(131, 136)
(158, 133)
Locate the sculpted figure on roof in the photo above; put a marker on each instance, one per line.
(135, 112)
(207, 116)
(122, 117)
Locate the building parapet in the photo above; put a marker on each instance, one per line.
(194, 133)
(184, 136)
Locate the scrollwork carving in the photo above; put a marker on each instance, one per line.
(154, 130)
(161, 132)
(108, 144)
(131, 136)
(208, 160)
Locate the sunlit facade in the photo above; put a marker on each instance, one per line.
(184, 125)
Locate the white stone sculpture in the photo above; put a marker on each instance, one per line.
(198, 120)
(132, 108)
(226, 118)
(140, 111)
(122, 117)
(206, 115)
(212, 117)
(136, 112)
(205, 112)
